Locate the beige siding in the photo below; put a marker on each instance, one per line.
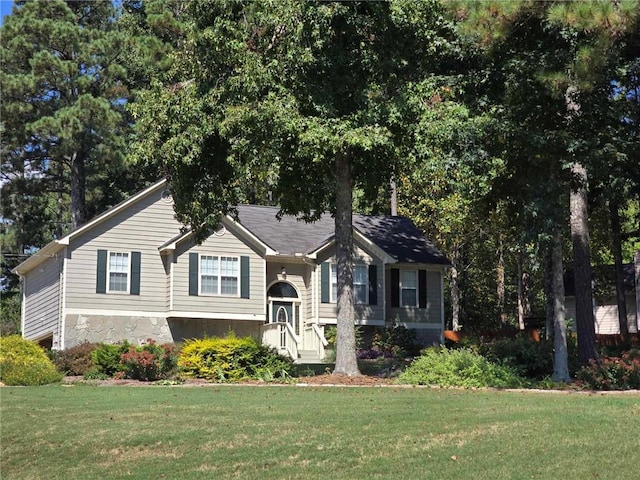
(432, 314)
(142, 227)
(42, 305)
(606, 313)
(364, 313)
(226, 245)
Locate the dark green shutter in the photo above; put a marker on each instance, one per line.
(193, 274)
(134, 288)
(325, 283)
(422, 288)
(373, 285)
(244, 277)
(395, 287)
(101, 272)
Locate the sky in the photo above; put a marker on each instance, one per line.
(5, 9)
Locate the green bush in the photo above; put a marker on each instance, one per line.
(10, 306)
(149, 362)
(612, 373)
(106, 357)
(458, 368)
(231, 359)
(395, 341)
(530, 359)
(25, 363)
(75, 360)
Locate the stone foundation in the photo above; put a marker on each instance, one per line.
(136, 330)
(113, 329)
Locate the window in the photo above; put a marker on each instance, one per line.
(360, 283)
(219, 275)
(209, 274)
(408, 288)
(118, 273)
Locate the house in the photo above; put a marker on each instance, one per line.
(605, 305)
(132, 273)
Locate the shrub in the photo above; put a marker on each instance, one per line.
(106, 357)
(530, 359)
(10, 306)
(149, 362)
(460, 368)
(25, 363)
(231, 359)
(75, 360)
(612, 373)
(395, 341)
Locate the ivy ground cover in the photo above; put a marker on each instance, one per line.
(288, 432)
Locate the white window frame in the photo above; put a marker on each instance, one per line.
(219, 275)
(128, 272)
(402, 287)
(333, 283)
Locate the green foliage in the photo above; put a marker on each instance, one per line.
(231, 359)
(395, 341)
(10, 308)
(106, 357)
(150, 361)
(530, 359)
(76, 360)
(64, 85)
(612, 373)
(458, 368)
(23, 362)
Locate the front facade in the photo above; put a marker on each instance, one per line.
(131, 274)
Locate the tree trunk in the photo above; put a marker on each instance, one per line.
(78, 187)
(346, 362)
(500, 289)
(394, 196)
(585, 323)
(524, 305)
(617, 257)
(560, 355)
(455, 290)
(548, 291)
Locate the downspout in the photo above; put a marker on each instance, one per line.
(23, 301)
(61, 301)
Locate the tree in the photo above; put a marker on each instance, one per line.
(307, 94)
(569, 48)
(63, 119)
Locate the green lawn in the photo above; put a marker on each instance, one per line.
(287, 432)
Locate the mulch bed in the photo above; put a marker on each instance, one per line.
(325, 379)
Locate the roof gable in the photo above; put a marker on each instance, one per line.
(55, 246)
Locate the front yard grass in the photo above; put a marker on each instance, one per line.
(287, 432)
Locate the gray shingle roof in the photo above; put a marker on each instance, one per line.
(397, 236)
